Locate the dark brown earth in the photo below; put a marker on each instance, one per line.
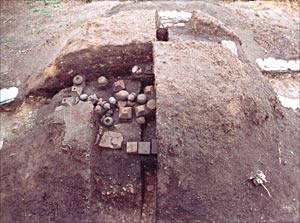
(217, 120)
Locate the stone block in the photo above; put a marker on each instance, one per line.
(119, 85)
(144, 148)
(151, 105)
(111, 140)
(141, 110)
(154, 146)
(132, 147)
(125, 113)
(149, 89)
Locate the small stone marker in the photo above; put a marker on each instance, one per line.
(144, 148)
(151, 105)
(148, 69)
(149, 89)
(125, 113)
(111, 140)
(119, 85)
(102, 81)
(141, 110)
(132, 147)
(154, 146)
(140, 120)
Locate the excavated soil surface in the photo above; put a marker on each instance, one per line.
(218, 121)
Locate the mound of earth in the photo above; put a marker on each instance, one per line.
(218, 124)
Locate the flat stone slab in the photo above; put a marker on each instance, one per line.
(154, 146)
(144, 148)
(132, 147)
(111, 140)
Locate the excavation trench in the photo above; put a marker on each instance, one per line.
(120, 84)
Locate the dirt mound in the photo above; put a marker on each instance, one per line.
(227, 124)
(218, 122)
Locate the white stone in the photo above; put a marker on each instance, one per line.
(282, 65)
(231, 46)
(294, 65)
(293, 103)
(260, 63)
(179, 15)
(1, 143)
(8, 94)
(270, 64)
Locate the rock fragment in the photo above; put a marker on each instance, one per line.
(136, 70)
(98, 109)
(151, 105)
(111, 140)
(102, 81)
(8, 94)
(118, 85)
(230, 45)
(141, 110)
(149, 89)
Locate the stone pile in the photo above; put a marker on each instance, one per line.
(123, 106)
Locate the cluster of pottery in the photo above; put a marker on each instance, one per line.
(123, 106)
(128, 105)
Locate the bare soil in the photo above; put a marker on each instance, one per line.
(218, 120)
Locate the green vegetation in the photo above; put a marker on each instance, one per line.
(8, 39)
(52, 2)
(43, 11)
(37, 31)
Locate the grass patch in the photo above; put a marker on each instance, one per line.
(43, 11)
(52, 2)
(30, 3)
(8, 39)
